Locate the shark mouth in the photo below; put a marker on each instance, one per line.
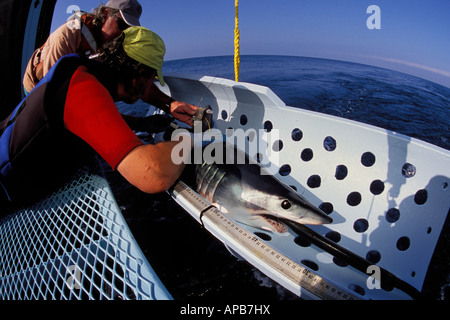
(276, 224)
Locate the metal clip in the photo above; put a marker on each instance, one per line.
(205, 115)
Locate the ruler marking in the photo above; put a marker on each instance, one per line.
(289, 268)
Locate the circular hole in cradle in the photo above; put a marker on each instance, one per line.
(297, 134)
(307, 155)
(326, 207)
(268, 126)
(224, 114)
(368, 159)
(421, 197)
(243, 120)
(302, 242)
(333, 236)
(403, 243)
(429, 230)
(341, 172)
(285, 170)
(387, 285)
(377, 187)
(263, 236)
(357, 289)
(392, 215)
(408, 170)
(277, 146)
(354, 199)
(361, 225)
(339, 262)
(329, 143)
(314, 181)
(373, 256)
(259, 157)
(310, 264)
(445, 185)
(251, 135)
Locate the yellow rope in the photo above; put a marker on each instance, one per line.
(237, 58)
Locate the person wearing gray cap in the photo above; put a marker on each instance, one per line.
(130, 10)
(83, 33)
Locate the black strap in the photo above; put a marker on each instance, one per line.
(203, 212)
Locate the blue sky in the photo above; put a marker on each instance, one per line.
(414, 37)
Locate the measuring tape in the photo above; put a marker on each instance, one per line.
(266, 258)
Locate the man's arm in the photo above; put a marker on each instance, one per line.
(90, 113)
(179, 110)
(150, 168)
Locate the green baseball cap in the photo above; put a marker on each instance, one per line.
(145, 47)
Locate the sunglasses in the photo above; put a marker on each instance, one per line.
(121, 24)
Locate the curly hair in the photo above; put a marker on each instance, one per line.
(114, 56)
(99, 17)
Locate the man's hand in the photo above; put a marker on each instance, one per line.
(183, 111)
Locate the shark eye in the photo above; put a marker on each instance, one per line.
(285, 204)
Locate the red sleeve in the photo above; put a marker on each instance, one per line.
(91, 114)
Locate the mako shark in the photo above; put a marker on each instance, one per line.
(259, 200)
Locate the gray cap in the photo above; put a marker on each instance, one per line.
(131, 10)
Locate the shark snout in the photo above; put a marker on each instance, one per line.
(314, 218)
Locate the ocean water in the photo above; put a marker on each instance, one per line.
(194, 265)
(380, 97)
